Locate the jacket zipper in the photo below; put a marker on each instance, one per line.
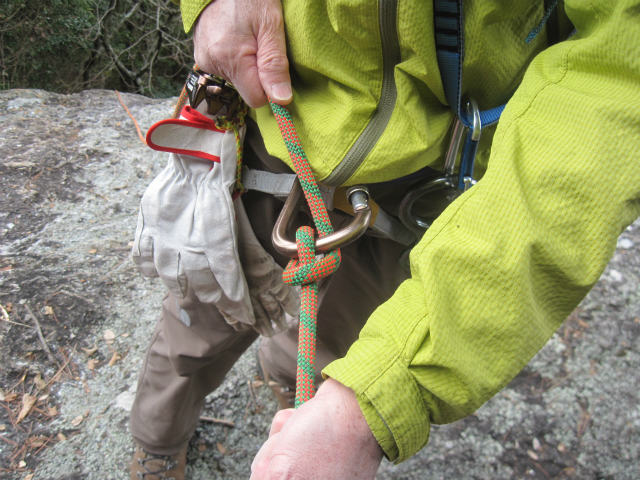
(387, 17)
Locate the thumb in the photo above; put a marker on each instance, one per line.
(279, 420)
(271, 60)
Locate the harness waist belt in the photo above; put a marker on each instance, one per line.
(280, 184)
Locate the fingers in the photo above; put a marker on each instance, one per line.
(271, 58)
(261, 460)
(279, 420)
(244, 42)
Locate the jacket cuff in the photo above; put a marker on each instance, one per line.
(399, 421)
(191, 10)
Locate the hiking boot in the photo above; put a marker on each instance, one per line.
(149, 466)
(286, 396)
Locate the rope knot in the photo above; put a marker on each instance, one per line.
(308, 268)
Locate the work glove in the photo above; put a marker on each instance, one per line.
(275, 304)
(187, 232)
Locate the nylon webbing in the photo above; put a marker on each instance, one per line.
(448, 19)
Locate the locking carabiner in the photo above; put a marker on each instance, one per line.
(447, 183)
(358, 197)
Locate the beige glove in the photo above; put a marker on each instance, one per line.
(276, 305)
(187, 232)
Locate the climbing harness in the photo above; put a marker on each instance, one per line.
(469, 119)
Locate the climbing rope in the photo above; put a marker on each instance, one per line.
(307, 269)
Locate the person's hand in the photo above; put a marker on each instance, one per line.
(243, 41)
(326, 438)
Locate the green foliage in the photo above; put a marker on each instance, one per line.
(71, 45)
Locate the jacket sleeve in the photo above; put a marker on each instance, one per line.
(507, 262)
(190, 10)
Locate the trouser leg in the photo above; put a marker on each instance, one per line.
(191, 351)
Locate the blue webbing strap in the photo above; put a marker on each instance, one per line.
(449, 35)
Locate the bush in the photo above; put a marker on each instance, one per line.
(72, 45)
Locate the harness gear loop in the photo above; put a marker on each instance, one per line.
(308, 268)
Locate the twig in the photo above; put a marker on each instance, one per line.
(221, 421)
(44, 444)
(11, 442)
(57, 375)
(252, 394)
(135, 122)
(40, 335)
(68, 293)
(5, 317)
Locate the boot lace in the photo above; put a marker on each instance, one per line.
(166, 464)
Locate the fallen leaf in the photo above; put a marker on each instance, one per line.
(93, 250)
(125, 335)
(61, 437)
(77, 421)
(3, 427)
(48, 310)
(20, 164)
(90, 351)
(532, 454)
(29, 477)
(28, 401)
(37, 441)
(92, 363)
(536, 444)
(22, 464)
(42, 398)
(109, 336)
(221, 448)
(10, 397)
(562, 448)
(52, 411)
(114, 358)
(40, 383)
(2, 397)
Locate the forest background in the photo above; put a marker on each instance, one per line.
(72, 45)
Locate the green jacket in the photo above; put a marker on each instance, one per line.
(506, 263)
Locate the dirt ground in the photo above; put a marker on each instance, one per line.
(76, 317)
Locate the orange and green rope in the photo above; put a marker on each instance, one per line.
(307, 269)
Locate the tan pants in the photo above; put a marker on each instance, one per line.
(193, 348)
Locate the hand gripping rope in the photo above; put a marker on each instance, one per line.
(307, 269)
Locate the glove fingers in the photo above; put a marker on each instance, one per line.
(263, 324)
(142, 250)
(289, 298)
(167, 263)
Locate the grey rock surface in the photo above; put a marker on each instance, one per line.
(72, 172)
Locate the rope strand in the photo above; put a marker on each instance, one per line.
(307, 269)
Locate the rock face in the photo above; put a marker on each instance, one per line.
(76, 319)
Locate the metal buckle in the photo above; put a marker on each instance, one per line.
(358, 197)
(221, 96)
